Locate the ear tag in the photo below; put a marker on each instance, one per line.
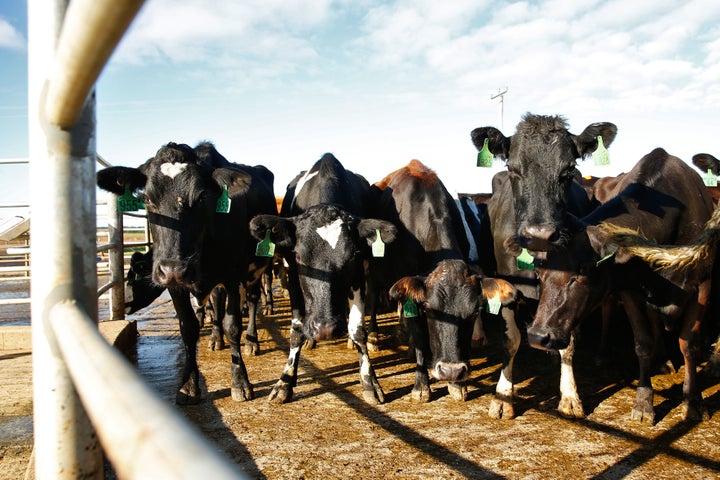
(138, 277)
(525, 260)
(265, 247)
(410, 309)
(606, 257)
(485, 156)
(494, 304)
(127, 202)
(223, 203)
(378, 246)
(601, 156)
(710, 180)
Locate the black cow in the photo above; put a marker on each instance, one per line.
(428, 262)
(140, 291)
(541, 158)
(667, 201)
(329, 248)
(195, 247)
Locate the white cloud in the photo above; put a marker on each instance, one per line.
(9, 37)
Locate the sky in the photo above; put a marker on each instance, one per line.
(379, 83)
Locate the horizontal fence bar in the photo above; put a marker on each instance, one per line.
(142, 436)
(14, 161)
(105, 288)
(15, 301)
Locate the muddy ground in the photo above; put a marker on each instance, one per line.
(329, 432)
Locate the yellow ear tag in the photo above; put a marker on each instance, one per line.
(709, 179)
(127, 202)
(601, 156)
(265, 247)
(223, 203)
(494, 304)
(410, 309)
(485, 156)
(378, 247)
(525, 260)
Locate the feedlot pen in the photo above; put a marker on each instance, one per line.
(328, 431)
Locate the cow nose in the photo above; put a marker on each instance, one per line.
(540, 232)
(544, 340)
(450, 371)
(170, 275)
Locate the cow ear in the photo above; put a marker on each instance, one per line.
(368, 227)
(237, 182)
(117, 179)
(498, 144)
(587, 143)
(409, 287)
(282, 230)
(705, 162)
(494, 287)
(512, 247)
(604, 248)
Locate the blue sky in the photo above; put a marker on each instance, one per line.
(379, 83)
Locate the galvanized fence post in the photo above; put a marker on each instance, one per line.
(116, 258)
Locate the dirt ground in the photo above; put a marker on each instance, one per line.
(329, 432)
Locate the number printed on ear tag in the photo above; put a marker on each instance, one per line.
(485, 156)
(223, 203)
(410, 309)
(127, 202)
(378, 246)
(525, 261)
(265, 247)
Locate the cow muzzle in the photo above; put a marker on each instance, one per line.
(451, 371)
(545, 339)
(172, 274)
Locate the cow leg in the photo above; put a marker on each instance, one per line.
(689, 340)
(372, 391)
(240, 389)
(420, 339)
(268, 302)
(478, 336)
(570, 404)
(297, 302)
(189, 391)
(216, 304)
(501, 406)
(282, 391)
(252, 296)
(643, 409)
(371, 307)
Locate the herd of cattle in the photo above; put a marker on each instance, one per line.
(543, 251)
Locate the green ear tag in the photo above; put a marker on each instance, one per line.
(525, 260)
(223, 203)
(494, 304)
(265, 247)
(128, 203)
(138, 277)
(378, 247)
(485, 156)
(601, 156)
(606, 257)
(710, 180)
(410, 309)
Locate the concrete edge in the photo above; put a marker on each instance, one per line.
(122, 334)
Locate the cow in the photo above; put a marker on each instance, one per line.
(427, 264)
(329, 247)
(199, 243)
(541, 158)
(708, 163)
(140, 291)
(667, 201)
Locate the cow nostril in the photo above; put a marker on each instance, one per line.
(540, 232)
(452, 372)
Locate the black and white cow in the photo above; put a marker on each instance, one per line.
(427, 264)
(195, 247)
(328, 246)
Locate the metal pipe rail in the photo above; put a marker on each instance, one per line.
(83, 390)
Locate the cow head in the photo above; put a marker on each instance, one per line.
(573, 281)
(140, 291)
(329, 246)
(449, 301)
(541, 157)
(180, 196)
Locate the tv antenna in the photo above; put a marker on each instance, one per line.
(501, 95)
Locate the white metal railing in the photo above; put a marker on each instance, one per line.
(83, 390)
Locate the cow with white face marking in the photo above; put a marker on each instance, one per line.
(329, 247)
(197, 245)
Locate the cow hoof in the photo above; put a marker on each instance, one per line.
(242, 394)
(420, 395)
(350, 344)
(281, 393)
(267, 311)
(571, 407)
(643, 410)
(216, 344)
(694, 411)
(183, 398)
(251, 348)
(457, 391)
(371, 398)
(501, 409)
(310, 344)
